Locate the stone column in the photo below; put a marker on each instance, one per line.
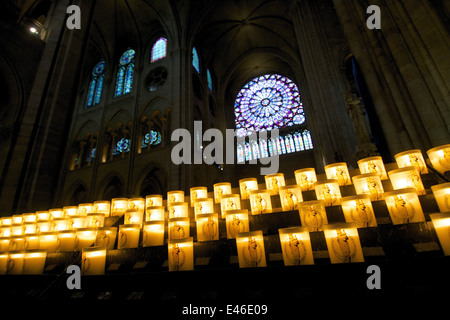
(324, 106)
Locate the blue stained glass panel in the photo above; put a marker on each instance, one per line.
(298, 140)
(240, 153)
(128, 78)
(119, 81)
(209, 79)
(195, 60)
(98, 90)
(127, 57)
(307, 139)
(90, 95)
(159, 49)
(122, 146)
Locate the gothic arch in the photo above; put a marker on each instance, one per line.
(152, 180)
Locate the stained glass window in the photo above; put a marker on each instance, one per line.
(91, 155)
(152, 138)
(209, 79)
(240, 153)
(195, 60)
(159, 49)
(268, 102)
(122, 146)
(95, 88)
(124, 81)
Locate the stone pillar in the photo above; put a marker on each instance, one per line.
(324, 106)
(406, 84)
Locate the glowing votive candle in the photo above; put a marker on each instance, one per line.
(15, 263)
(86, 237)
(203, 205)
(29, 228)
(441, 224)
(236, 222)
(246, 186)
(260, 202)
(274, 182)
(411, 158)
(290, 196)
(230, 202)
(49, 241)
(358, 209)
(306, 178)
(440, 158)
(70, 211)
(296, 246)
(16, 230)
(44, 226)
(5, 231)
(197, 193)
(67, 240)
(106, 237)
(207, 227)
(29, 217)
(153, 200)
(6, 221)
(181, 254)
(178, 210)
(221, 189)
(136, 204)
(153, 233)
(155, 213)
(42, 216)
(128, 236)
(328, 191)
(4, 256)
(175, 196)
(373, 165)
(93, 261)
(16, 243)
(95, 220)
(250, 248)
(134, 217)
(60, 224)
(313, 215)
(4, 243)
(85, 208)
(369, 183)
(102, 206)
(31, 241)
(34, 261)
(178, 228)
(441, 193)
(17, 219)
(119, 206)
(343, 243)
(77, 222)
(404, 206)
(56, 213)
(407, 177)
(339, 172)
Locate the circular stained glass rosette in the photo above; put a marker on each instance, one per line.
(99, 69)
(268, 102)
(127, 57)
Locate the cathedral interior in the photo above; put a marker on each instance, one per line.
(357, 117)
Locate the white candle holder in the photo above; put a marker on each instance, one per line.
(106, 237)
(339, 172)
(85, 208)
(441, 194)
(236, 222)
(250, 247)
(358, 209)
(407, 177)
(411, 158)
(404, 206)
(197, 193)
(260, 202)
(246, 186)
(229, 202)
(369, 183)
(178, 228)
(156, 213)
(313, 215)
(181, 254)
(85, 237)
(154, 200)
(178, 210)
(119, 206)
(102, 206)
(373, 165)
(296, 246)
(207, 227)
(274, 182)
(440, 158)
(34, 261)
(175, 196)
(343, 243)
(328, 191)
(441, 224)
(93, 261)
(306, 178)
(128, 236)
(153, 233)
(290, 197)
(221, 189)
